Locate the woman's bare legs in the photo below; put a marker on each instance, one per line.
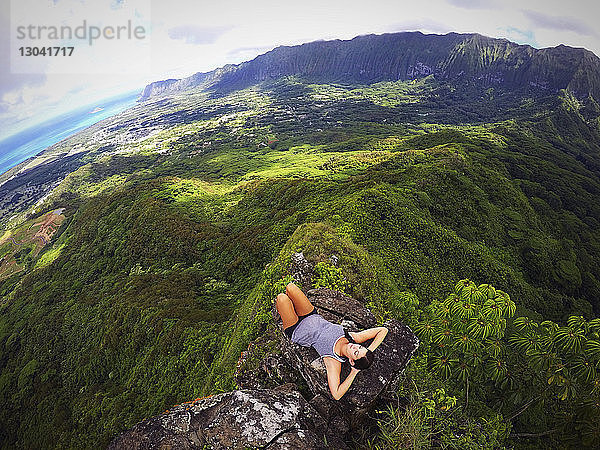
(285, 308)
(301, 304)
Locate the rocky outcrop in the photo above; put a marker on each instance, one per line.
(301, 270)
(157, 88)
(173, 85)
(284, 400)
(240, 419)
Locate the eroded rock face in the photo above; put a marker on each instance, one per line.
(263, 418)
(269, 411)
(301, 270)
(271, 371)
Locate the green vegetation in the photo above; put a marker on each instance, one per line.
(172, 252)
(22, 245)
(475, 348)
(330, 277)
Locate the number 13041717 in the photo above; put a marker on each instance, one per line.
(46, 51)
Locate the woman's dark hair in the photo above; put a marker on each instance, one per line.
(365, 362)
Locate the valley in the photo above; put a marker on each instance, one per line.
(178, 218)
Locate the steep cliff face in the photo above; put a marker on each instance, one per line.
(173, 85)
(406, 56)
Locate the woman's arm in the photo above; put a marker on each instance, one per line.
(378, 334)
(334, 369)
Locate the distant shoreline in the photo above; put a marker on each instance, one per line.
(32, 142)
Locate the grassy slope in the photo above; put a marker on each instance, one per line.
(168, 264)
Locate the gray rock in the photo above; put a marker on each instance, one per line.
(338, 307)
(238, 419)
(391, 357)
(257, 371)
(301, 270)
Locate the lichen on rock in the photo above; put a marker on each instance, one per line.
(238, 419)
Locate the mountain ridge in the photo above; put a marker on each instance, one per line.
(466, 58)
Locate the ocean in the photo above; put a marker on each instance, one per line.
(24, 144)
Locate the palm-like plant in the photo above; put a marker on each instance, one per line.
(493, 308)
(594, 325)
(462, 285)
(525, 324)
(543, 361)
(495, 347)
(425, 330)
(442, 363)
(477, 296)
(596, 385)
(583, 368)
(549, 327)
(577, 322)
(468, 343)
(547, 333)
(463, 369)
(464, 309)
(451, 300)
(528, 343)
(592, 349)
(466, 289)
(570, 339)
(464, 343)
(441, 310)
(443, 322)
(567, 386)
(566, 357)
(461, 325)
(443, 336)
(509, 307)
(481, 327)
(589, 411)
(496, 369)
(466, 330)
(508, 382)
(475, 359)
(487, 290)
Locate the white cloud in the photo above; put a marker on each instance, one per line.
(193, 34)
(475, 4)
(29, 105)
(559, 23)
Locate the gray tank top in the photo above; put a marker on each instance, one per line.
(322, 335)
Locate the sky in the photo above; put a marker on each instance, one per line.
(182, 37)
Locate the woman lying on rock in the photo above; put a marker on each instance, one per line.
(335, 345)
